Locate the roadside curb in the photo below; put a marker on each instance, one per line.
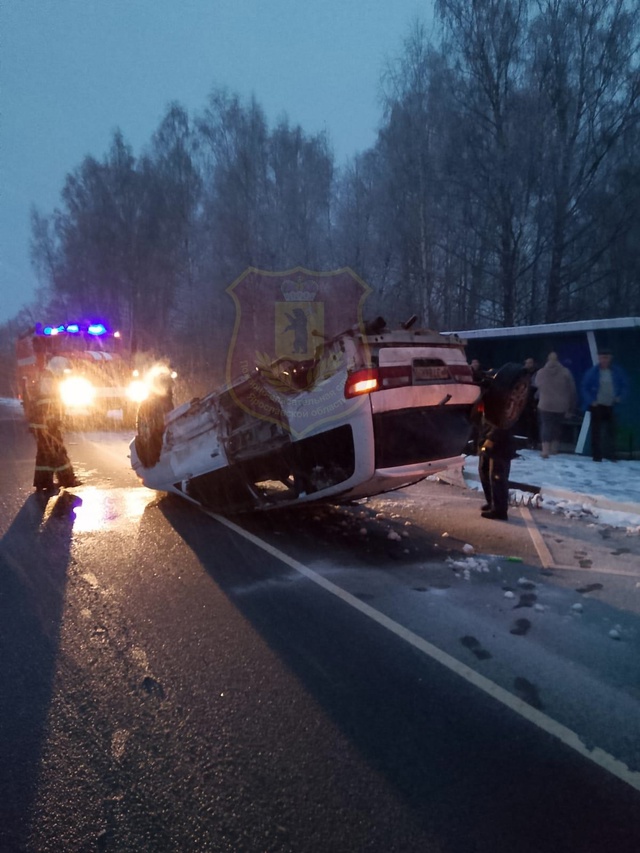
(597, 501)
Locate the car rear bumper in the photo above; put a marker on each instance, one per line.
(407, 437)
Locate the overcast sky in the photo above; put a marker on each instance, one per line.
(72, 71)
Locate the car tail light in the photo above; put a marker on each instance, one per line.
(461, 373)
(395, 377)
(362, 382)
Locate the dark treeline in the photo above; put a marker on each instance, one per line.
(503, 189)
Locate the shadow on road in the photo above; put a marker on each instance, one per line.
(34, 556)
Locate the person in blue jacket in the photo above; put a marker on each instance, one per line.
(603, 385)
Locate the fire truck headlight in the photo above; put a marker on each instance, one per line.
(76, 392)
(137, 391)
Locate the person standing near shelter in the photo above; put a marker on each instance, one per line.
(603, 386)
(477, 371)
(496, 450)
(556, 400)
(529, 416)
(45, 422)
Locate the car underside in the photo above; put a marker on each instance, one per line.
(372, 413)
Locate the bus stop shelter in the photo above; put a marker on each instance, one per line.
(577, 344)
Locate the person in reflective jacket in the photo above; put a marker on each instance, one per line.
(45, 422)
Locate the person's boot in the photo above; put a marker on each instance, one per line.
(67, 479)
(555, 446)
(546, 447)
(495, 513)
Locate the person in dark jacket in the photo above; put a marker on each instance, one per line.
(496, 450)
(45, 422)
(603, 386)
(529, 417)
(477, 371)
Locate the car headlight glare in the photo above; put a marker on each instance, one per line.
(137, 391)
(76, 392)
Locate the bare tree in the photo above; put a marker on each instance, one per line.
(236, 182)
(409, 145)
(361, 238)
(485, 38)
(300, 172)
(585, 65)
(173, 218)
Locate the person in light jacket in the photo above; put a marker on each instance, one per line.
(603, 386)
(556, 400)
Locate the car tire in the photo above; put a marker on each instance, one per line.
(148, 441)
(505, 395)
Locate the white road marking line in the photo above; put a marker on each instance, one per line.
(592, 570)
(542, 721)
(547, 560)
(536, 537)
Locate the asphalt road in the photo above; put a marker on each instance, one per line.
(340, 679)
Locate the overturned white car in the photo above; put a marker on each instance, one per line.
(377, 410)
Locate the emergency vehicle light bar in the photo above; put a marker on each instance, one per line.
(95, 329)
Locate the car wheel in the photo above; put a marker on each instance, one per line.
(148, 441)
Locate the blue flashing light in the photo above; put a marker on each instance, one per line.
(97, 329)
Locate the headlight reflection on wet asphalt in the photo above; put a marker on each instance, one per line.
(103, 509)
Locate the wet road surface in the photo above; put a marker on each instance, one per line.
(333, 680)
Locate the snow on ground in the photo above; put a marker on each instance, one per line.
(575, 486)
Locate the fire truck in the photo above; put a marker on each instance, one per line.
(98, 383)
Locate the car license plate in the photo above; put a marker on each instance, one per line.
(429, 374)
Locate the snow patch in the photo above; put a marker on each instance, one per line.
(470, 564)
